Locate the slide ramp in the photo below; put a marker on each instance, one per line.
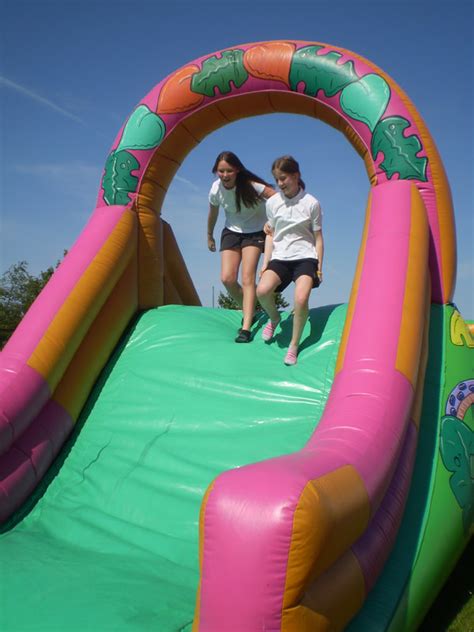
(110, 539)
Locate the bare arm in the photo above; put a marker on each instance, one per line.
(268, 192)
(319, 244)
(211, 222)
(267, 253)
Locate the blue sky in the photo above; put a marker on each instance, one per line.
(71, 73)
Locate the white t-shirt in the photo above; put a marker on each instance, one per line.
(250, 219)
(294, 221)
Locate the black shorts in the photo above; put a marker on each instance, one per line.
(289, 271)
(236, 241)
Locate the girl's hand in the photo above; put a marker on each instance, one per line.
(264, 267)
(211, 244)
(320, 276)
(267, 230)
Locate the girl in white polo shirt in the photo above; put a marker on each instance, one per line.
(294, 250)
(242, 195)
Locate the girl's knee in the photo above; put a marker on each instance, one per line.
(262, 291)
(301, 300)
(229, 279)
(248, 280)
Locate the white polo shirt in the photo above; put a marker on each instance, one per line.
(294, 221)
(250, 219)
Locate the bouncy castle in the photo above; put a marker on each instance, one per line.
(154, 475)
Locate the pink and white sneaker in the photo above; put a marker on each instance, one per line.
(291, 357)
(269, 330)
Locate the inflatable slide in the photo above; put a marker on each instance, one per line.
(154, 475)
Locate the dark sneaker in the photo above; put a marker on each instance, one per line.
(244, 336)
(254, 320)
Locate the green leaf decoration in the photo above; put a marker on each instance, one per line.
(143, 130)
(457, 453)
(320, 72)
(219, 72)
(399, 151)
(118, 181)
(366, 100)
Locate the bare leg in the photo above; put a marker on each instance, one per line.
(230, 263)
(303, 286)
(266, 294)
(250, 257)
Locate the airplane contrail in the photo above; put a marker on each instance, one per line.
(39, 99)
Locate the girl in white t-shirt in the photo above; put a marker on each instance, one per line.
(242, 195)
(294, 250)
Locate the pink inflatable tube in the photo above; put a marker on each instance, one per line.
(23, 392)
(250, 512)
(25, 464)
(33, 427)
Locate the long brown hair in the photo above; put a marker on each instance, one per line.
(288, 164)
(244, 191)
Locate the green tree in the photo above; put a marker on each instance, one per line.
(18, 290)
(225, 301)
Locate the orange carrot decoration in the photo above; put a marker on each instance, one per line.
(176, 95)
(270, 61)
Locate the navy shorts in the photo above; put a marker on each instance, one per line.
(236, 241)
(289, 271)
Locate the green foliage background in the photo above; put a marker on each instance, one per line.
(225, 301)
(18, 290)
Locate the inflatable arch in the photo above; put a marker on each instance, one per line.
(333, 85)
(310, 531)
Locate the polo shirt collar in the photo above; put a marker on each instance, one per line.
(295, 199)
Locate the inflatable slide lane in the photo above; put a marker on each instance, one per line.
(322, 513)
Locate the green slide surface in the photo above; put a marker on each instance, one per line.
(110, 541)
